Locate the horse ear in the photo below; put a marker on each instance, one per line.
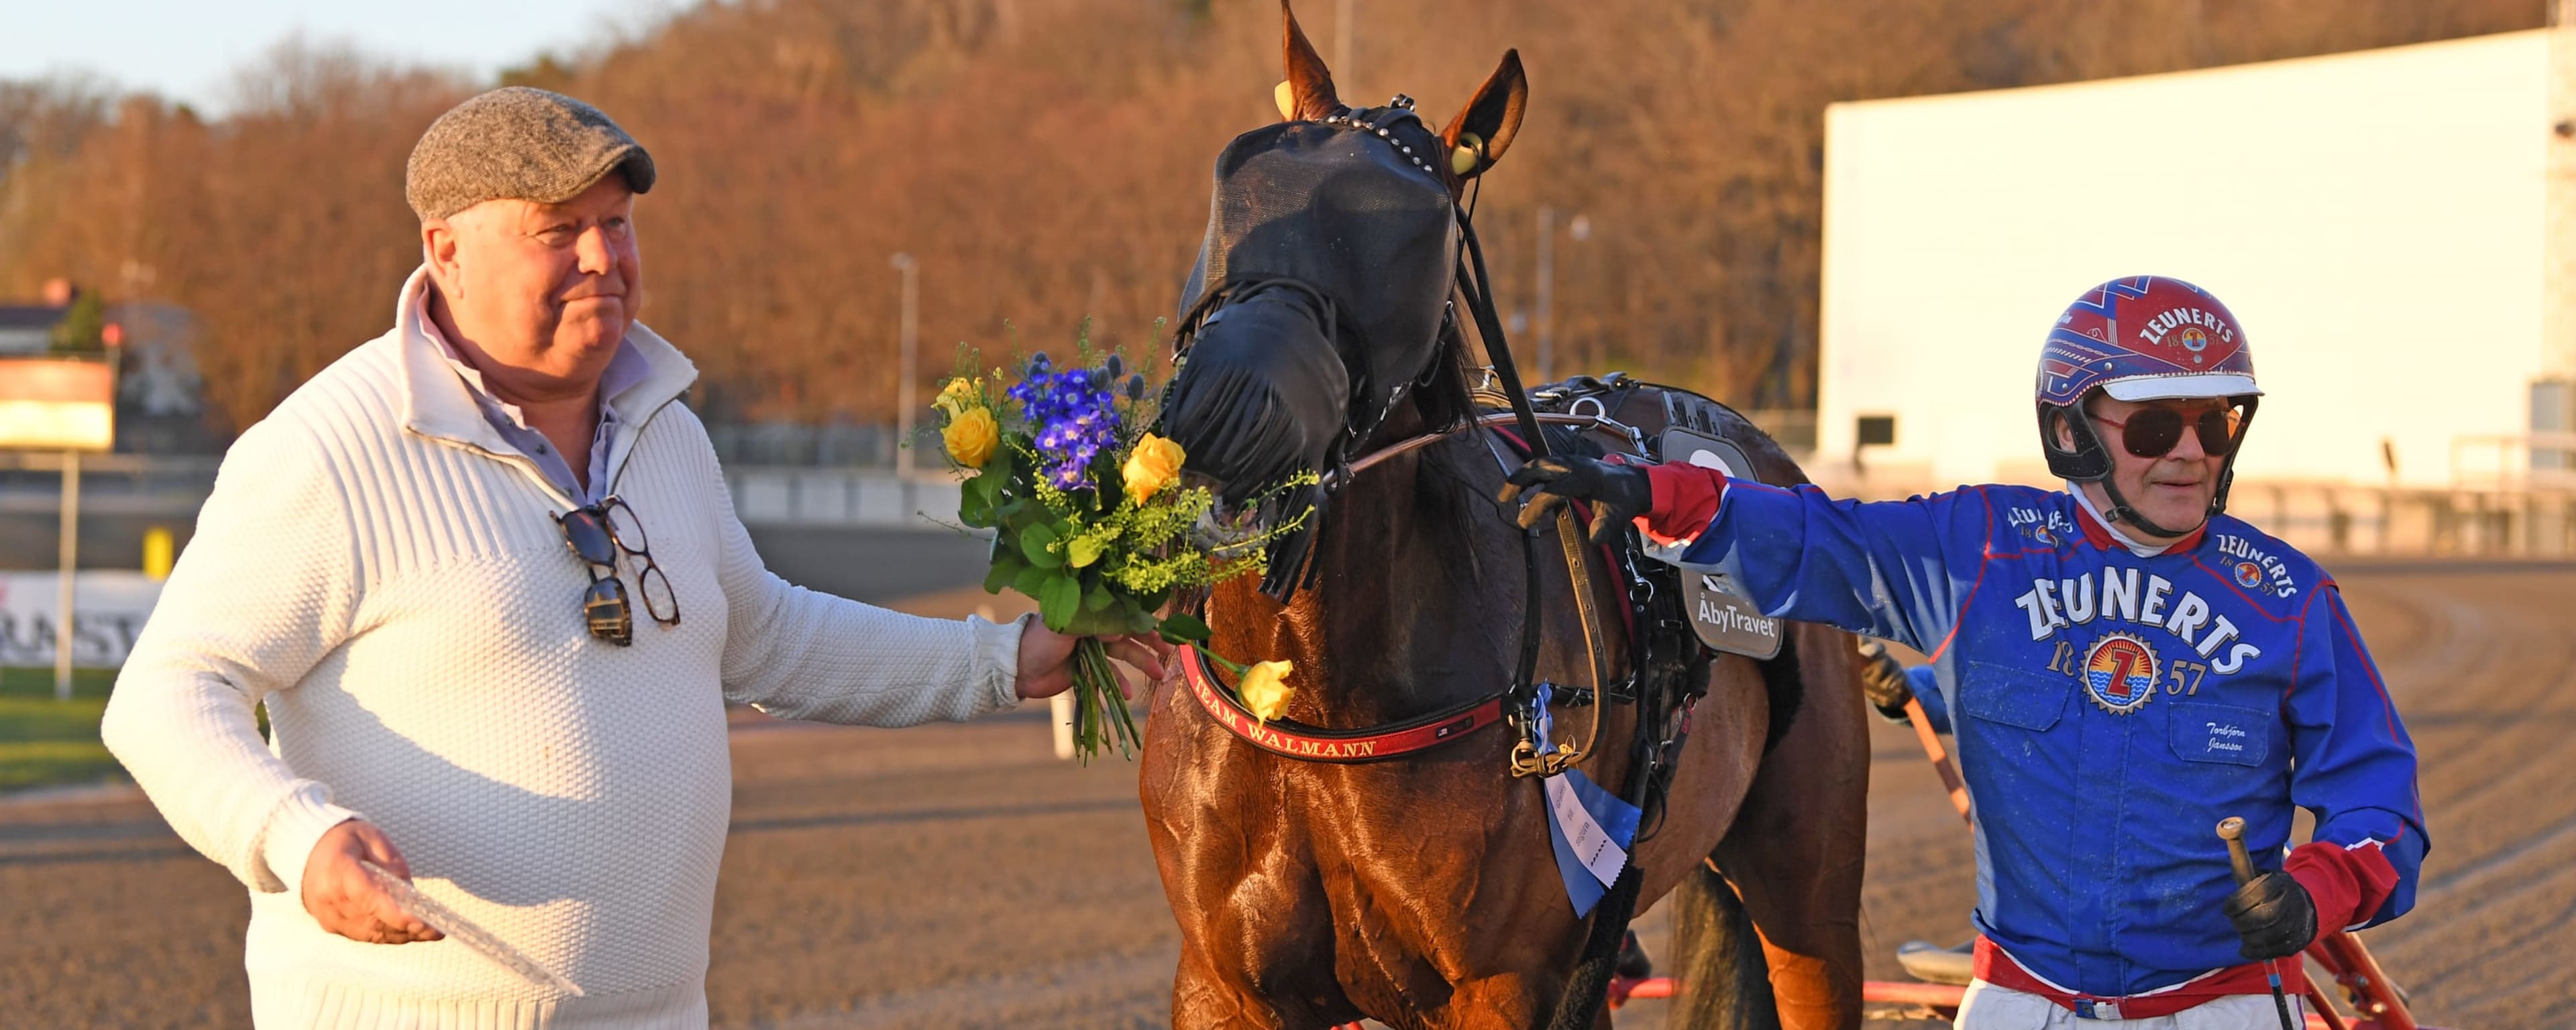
(1308, 93)
(1485, 127)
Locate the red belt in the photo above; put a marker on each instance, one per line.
(1316, 744)
(1996, 966)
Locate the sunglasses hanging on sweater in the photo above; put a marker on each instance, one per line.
(595, 533)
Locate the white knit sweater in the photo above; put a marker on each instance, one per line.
(383, 571)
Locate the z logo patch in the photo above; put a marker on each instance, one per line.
(2120, 673)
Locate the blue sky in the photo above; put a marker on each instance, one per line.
(188, 49)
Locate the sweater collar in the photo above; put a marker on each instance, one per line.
(436, 403)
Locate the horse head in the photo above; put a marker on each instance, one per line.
(1318, 313)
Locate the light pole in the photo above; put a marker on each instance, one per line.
(70, 559)
(904, 385)
(1581, 230)
(1343, 31)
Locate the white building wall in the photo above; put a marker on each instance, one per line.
(2374, 219)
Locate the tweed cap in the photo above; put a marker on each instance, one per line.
(518, 142)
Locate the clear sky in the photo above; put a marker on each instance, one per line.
(188, 49)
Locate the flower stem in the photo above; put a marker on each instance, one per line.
(1100, 711)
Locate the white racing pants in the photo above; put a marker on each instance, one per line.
(1988, 1007)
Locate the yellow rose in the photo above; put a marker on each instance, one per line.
(970, 437)
(1151, 466)
(1265, 689)
(956, 397)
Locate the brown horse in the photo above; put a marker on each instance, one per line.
(1423, 891)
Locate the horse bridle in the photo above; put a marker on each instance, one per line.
(1363, 414)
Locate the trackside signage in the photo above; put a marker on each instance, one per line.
(109, 609)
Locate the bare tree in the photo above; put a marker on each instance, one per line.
(1049, 163)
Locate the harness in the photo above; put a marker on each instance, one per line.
(1666, 665)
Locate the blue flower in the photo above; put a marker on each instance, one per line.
(1077, 415)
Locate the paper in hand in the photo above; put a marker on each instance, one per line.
(446, 920)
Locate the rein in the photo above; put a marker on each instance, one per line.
(1415, 443)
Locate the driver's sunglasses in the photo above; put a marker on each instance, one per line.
(595, 533)
(2155, 432)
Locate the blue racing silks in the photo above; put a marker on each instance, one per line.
(2110, 708)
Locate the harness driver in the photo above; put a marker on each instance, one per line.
(2123, 665)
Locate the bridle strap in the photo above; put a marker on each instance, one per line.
(1479, 295)
(1414, 443)
(1317, 744)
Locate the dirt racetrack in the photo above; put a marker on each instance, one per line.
(960, 876)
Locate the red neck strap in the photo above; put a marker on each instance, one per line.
(2099, 535)
(1316, 744)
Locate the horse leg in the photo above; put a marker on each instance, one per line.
(1278, 984)
(1795, 851)
(1255, 926)
(1201, 998)
(1725, 982)
(1504, 1002)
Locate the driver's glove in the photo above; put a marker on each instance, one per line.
(1619, 493)
(2274, 916)
(1883, 681)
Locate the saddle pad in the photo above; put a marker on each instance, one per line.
(1723, 617)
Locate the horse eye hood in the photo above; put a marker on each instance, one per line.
(1346, 211)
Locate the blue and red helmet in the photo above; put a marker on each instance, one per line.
(2146, 338)
(2140, 338)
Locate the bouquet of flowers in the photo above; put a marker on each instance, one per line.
(1090, 519)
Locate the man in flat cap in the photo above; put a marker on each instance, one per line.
(486, 576)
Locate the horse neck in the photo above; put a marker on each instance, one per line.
(1395, 624)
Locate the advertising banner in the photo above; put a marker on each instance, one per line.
(108, 611)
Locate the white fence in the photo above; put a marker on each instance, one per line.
(173, 488)
(840, 497)
(2503, 522)
(2511, 520)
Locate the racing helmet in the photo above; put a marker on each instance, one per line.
(2140, 338)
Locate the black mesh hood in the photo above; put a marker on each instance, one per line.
(1346, 211)
(1318, 294)
(1263, 398)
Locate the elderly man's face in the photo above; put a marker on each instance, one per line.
(2173, 489)
(544, 289)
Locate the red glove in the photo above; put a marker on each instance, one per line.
(2347, 884)
(1685, 501)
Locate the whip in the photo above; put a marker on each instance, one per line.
(2232, 830)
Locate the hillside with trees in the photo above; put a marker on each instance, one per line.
(1047, 162)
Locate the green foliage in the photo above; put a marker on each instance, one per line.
(1185, 628)
(45, 742)
(546, 72)
(83, 327)
(1098, 561)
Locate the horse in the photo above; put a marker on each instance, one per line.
(1323, 370)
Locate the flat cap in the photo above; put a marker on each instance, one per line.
(518, 142)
